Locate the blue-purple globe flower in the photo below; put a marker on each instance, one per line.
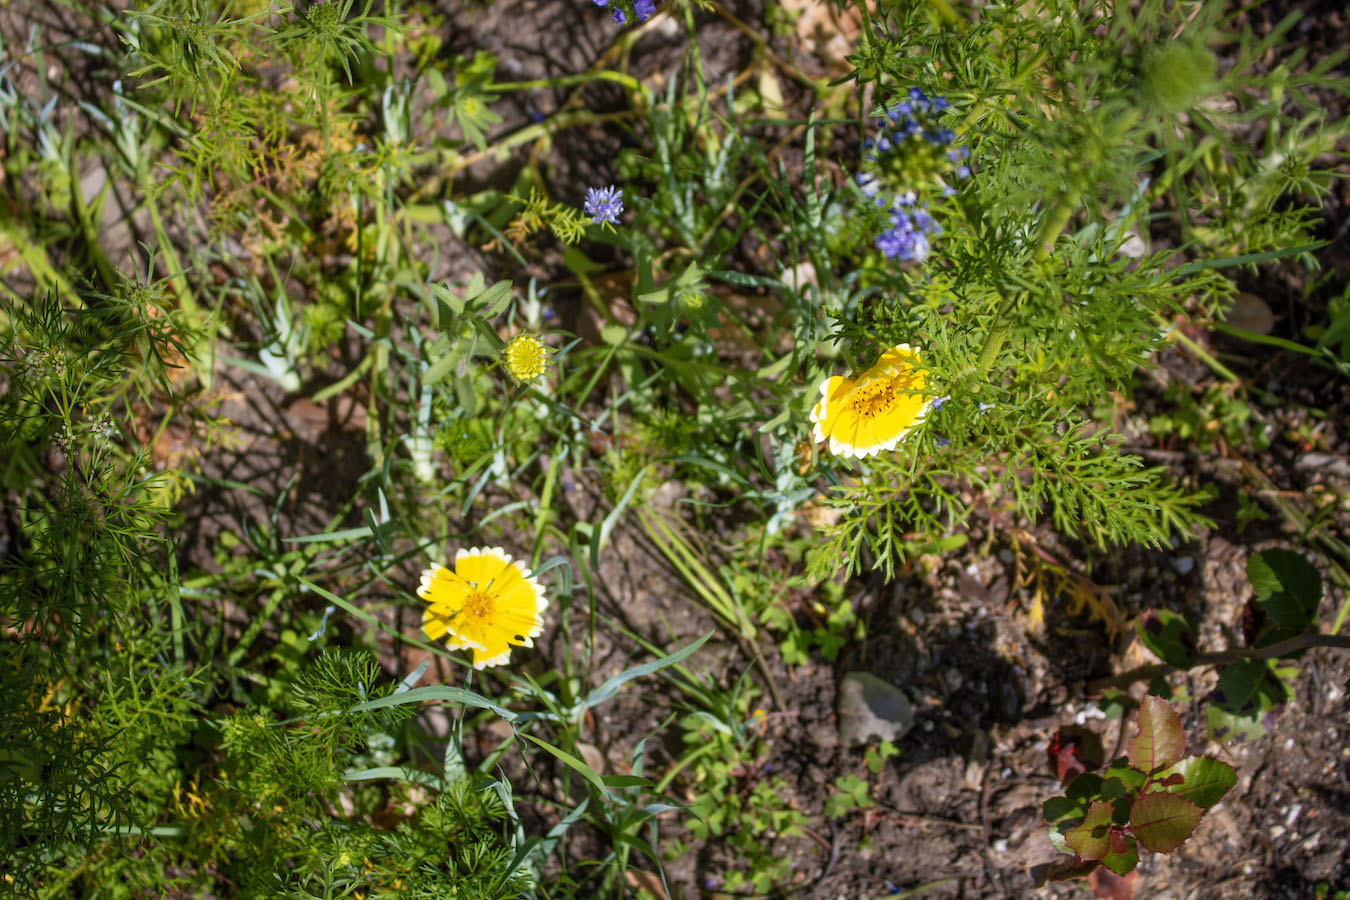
(643, 9)
(603, 205)
(908, 162)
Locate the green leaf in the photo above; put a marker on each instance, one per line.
(1122, 772)
(1287, 586)
(1169, 636)
(572, 763)
(614, 334)
(492, 301)
(1204, 780)
(1161, 741)
(397, 773)
(1091, 839)
(439, 369)
(1162, 821)
(1246, 701)
(611, 685)
(1123, 863)
(1065, 813)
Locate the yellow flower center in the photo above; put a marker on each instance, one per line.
(874, 398)
(477, 605)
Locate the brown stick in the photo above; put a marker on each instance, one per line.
(1223, 657)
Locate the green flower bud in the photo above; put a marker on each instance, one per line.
(1176, 74)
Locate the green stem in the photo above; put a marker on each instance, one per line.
(1176, 334)
(624, 79)
(175, 268)
(1051, 227)
(947, 14)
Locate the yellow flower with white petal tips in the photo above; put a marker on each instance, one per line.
(488, 604)
(526, 357)
(876, 410)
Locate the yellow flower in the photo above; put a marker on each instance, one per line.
(875, 411)
(488, 604)
(526, 357)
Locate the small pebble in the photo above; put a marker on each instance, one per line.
(1183, 564)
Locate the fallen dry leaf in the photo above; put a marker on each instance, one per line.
(1110, 886)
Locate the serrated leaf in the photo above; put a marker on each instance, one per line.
(1161, 741)
(1246, 701)
(1122, 771)
(1091, 839)
(1057, 808)
(1123, 863)
(1162, 821)
(1287, 586)
(1168, 636)
(1204, 781)
(1065, 813)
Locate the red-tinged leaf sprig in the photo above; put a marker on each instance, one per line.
(1153, 797)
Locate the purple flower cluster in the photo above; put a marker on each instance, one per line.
(604, 205)
(643, 9)
(907, 238)
(907, 162)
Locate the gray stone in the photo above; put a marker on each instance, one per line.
(870, 708)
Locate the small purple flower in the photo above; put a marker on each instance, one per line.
(907, 238)
(644, 9)
(618, 16)
(902, 243)
(603, 205)
(601, 2)
(938, 401)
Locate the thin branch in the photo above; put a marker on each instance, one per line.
(1286, 647)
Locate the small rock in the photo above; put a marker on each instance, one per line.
(1183, 564)
(953, 678)
(870, 707)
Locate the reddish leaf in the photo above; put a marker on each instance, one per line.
(1073, 751)
(1162, 822)
(1090, 839)
(1118, 843)
(1109, 886)
(1170, 780)
(1161, 741)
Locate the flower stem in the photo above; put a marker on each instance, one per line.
(1051, 228)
